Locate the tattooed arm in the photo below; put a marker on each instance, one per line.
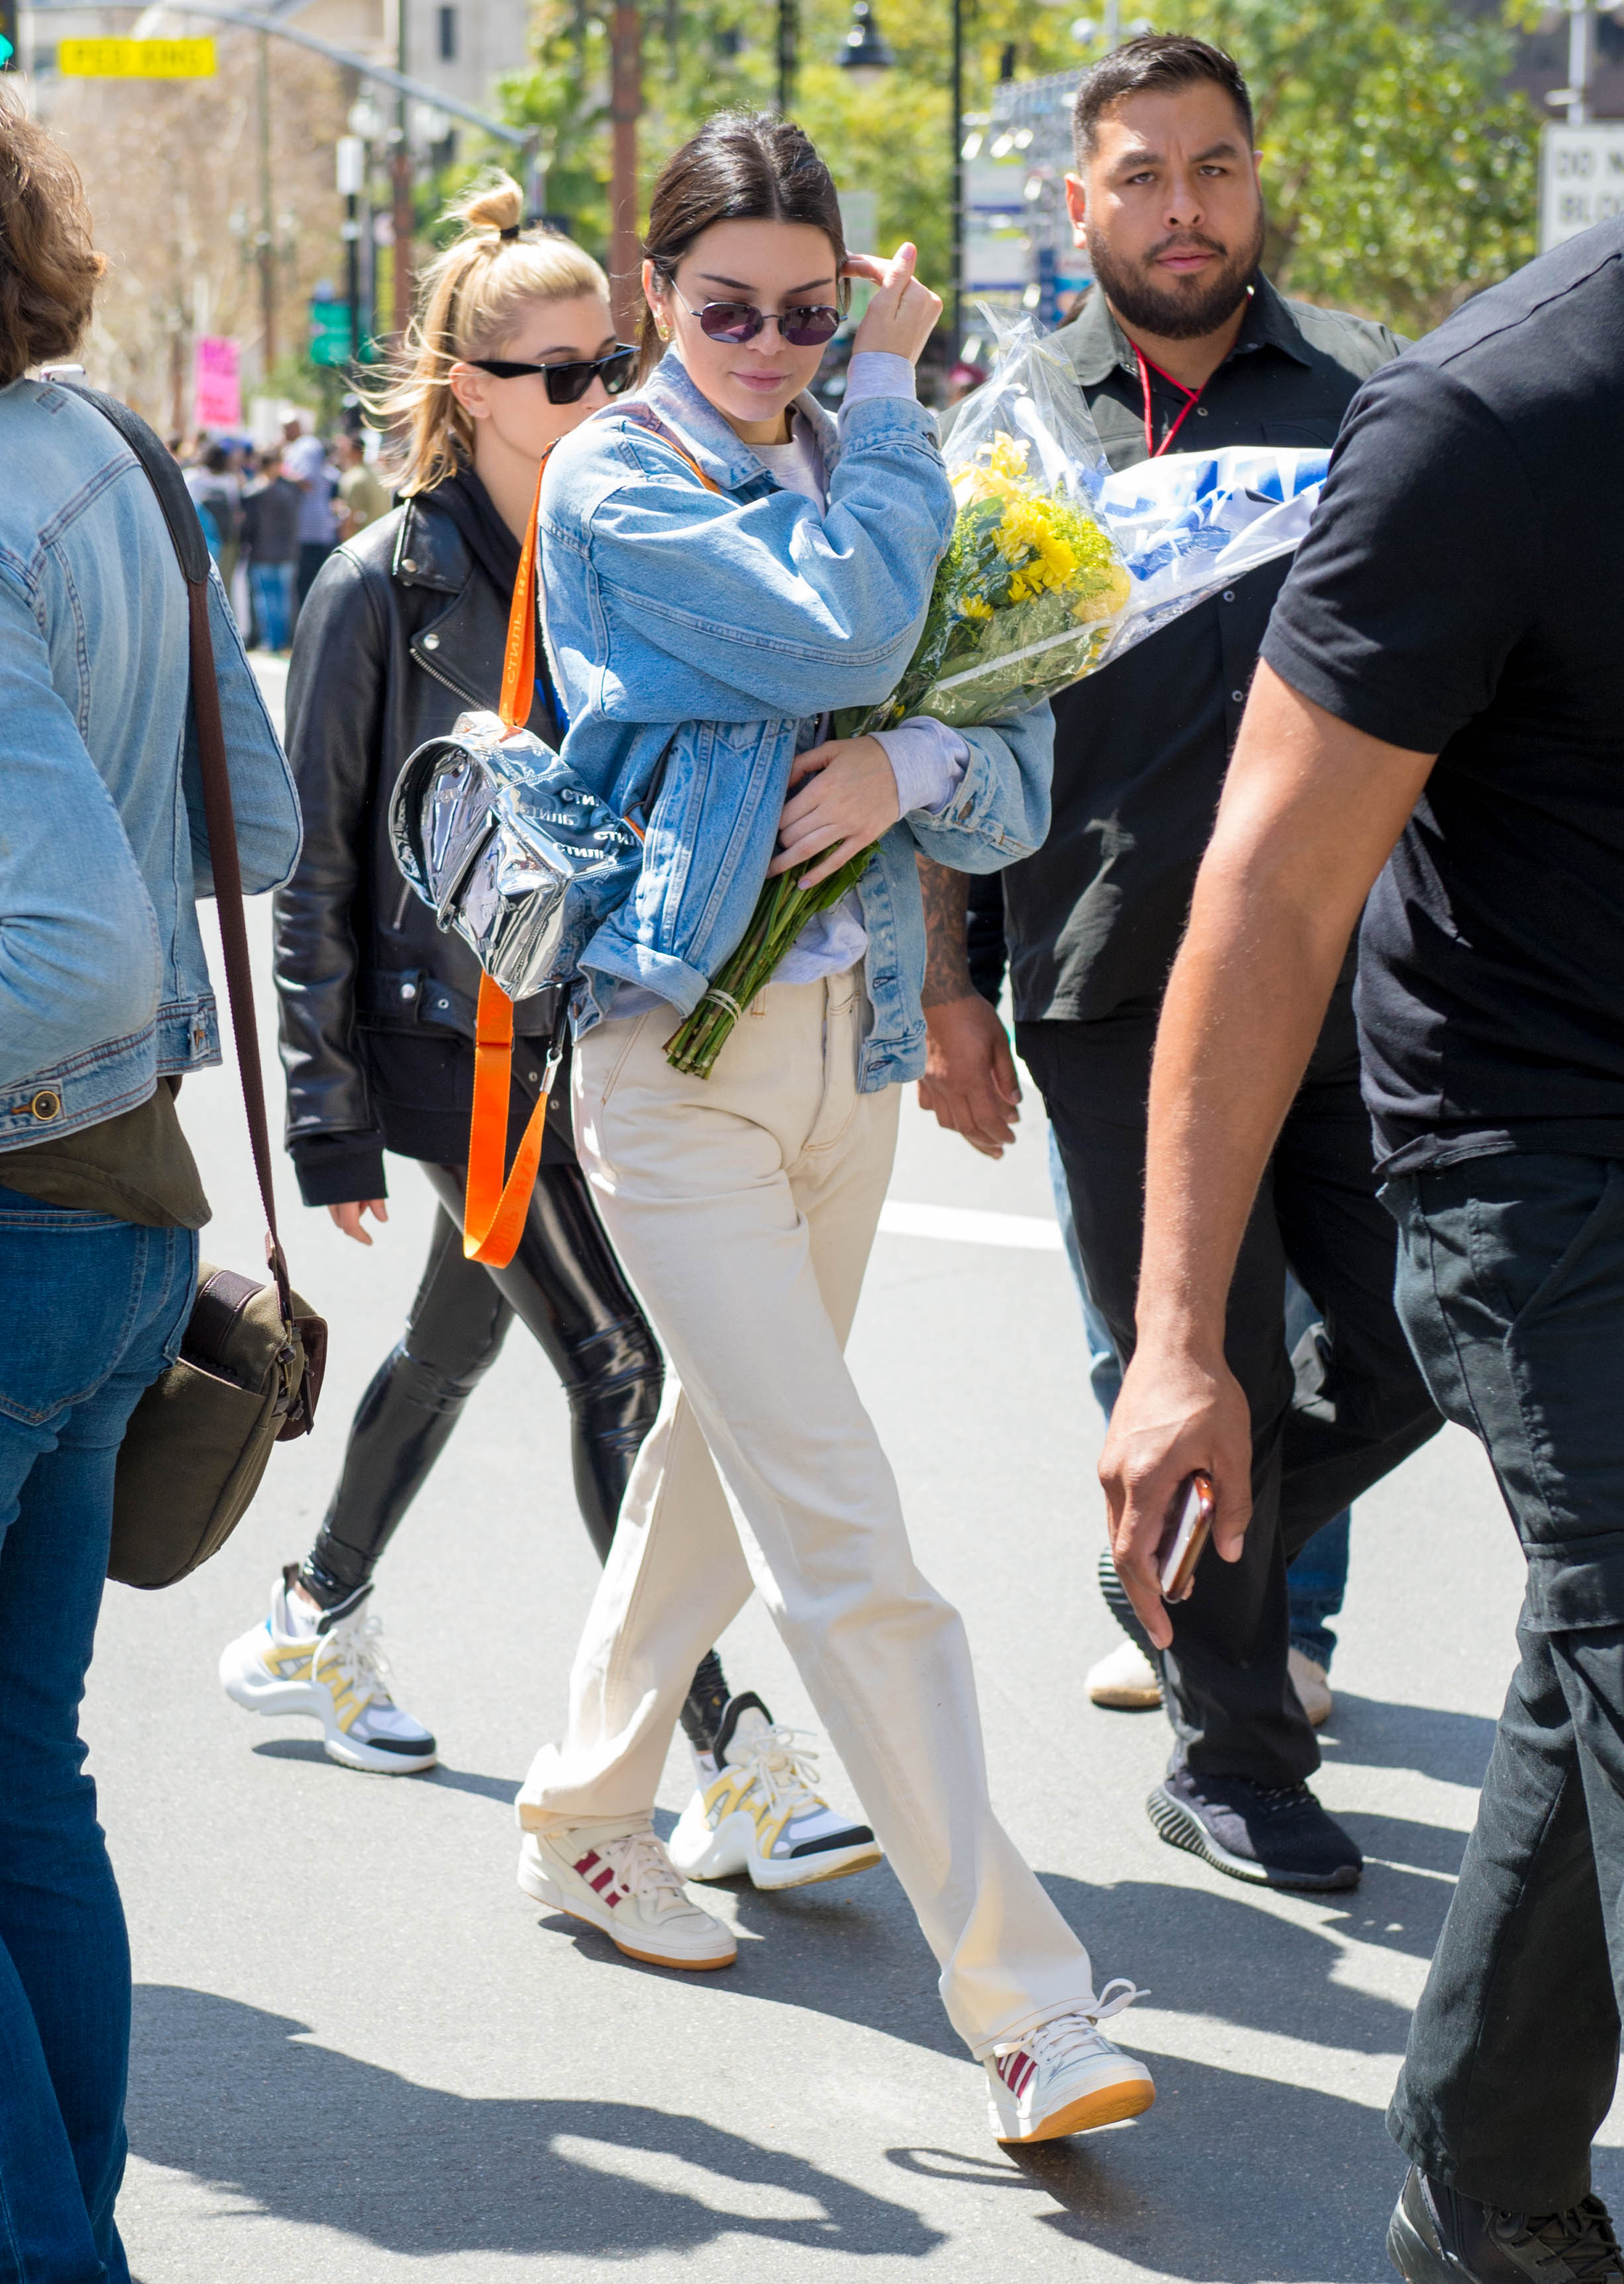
(970, 1080)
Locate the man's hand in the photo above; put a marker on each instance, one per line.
(350, 1216)
(1176, 1412)
(970, 1080)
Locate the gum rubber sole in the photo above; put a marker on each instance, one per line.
(541, 1891)
(1180, 1829)
(1109, 2106)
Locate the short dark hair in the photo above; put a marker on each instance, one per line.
(1156, 62)
(740, 167)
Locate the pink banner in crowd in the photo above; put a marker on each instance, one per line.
(219, 400)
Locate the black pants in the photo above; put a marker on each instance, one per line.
(1512, 1287)
(567, 1287)
(1326, 1425)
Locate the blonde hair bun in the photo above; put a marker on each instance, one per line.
(497, 204)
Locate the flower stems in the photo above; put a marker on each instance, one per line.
(782, 911)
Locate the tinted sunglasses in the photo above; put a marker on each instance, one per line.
(806, 327)
(568, 384)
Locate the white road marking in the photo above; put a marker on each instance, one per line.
(959, 1226)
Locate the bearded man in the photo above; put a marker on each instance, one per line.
(1183, 345)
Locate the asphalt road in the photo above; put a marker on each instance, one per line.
(361, 2054)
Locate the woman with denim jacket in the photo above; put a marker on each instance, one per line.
(404, 630)
(104, 1005)
(721, 566)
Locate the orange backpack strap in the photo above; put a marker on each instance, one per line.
(494, 1209)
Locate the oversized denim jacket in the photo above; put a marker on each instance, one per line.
(103, 846)
(691, 633)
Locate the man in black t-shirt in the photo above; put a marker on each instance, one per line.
(1445, 671)
(1184, 345)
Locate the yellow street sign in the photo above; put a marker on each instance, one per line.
(137, 58)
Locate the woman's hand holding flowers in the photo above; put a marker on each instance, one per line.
(846, 798)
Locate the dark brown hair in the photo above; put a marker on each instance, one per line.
(1156, 62)
(49, 268)
(741, 167)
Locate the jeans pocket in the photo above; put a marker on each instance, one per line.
(79, 1280)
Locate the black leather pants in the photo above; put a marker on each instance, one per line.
(566, 1285)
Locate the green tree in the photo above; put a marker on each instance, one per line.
(1399, 172)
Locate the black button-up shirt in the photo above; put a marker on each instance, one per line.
(1093, 917)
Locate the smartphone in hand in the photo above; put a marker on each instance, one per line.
(1189, 1526)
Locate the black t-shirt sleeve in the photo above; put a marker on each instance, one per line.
(1422, 567)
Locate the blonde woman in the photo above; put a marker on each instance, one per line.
(404, 627)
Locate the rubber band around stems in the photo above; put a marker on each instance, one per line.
(725, 999)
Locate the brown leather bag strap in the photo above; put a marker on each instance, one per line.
(191, 552)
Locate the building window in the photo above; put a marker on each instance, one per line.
(448, 34)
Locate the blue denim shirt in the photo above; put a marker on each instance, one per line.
(102, 847)
(690, 633)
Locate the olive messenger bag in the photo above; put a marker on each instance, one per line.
(250, 1366)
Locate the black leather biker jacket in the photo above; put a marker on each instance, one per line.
(401, 633)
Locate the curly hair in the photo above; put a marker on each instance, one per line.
(49, 268)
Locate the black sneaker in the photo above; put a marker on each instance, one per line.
(1280, 1835)
(1113, 1593)
(1437, 2236)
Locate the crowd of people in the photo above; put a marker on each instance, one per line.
(1412, 762)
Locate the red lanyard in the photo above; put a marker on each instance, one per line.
(1192, 396)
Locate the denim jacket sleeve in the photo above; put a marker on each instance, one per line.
(78, 946)
(792, 612)
(1000, 812)
(264, 800)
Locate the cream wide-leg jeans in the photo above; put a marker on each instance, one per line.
(743, 1207)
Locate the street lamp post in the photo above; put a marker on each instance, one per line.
(789, 44)
(956, 128)
(350, 167)
(265, 245)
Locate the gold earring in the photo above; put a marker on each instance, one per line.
(662, 329)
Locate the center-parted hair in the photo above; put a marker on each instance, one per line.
(1157, 63)
(740, 167)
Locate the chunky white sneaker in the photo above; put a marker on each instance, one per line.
(1124, 1681)
(1313, 1689)
(329, 1665)
(623, 1883)
(762, 1813)
(1065, 2077)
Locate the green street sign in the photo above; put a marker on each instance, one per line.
(329, 335)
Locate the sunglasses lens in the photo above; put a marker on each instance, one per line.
(618, 371)
(568, 384)
(809, 328)
(731, 321)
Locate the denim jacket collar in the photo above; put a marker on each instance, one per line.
(723, 456)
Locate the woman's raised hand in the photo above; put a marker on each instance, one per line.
(900, 319)
(842, 796)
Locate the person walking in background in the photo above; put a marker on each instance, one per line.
(270, 540)
(305, 463)
(362, 499)
(404, 627)
(103, 1003)
(216, 495)
(1183, 345)
(744, 1204)
(1448, 743)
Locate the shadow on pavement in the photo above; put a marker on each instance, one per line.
(227, 2094)
(1370, 1732)
(312, 1749)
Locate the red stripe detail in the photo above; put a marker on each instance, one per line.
(606, 1879)
(620, 1898)
(585, 1863)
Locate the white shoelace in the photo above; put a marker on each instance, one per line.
(356, 1649)
(1072, 2037)
(641, 1865)
(787, 1772)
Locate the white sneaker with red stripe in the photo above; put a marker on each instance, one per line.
(1065, 2077)
(624, 1884)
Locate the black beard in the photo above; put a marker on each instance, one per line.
(1172, 314)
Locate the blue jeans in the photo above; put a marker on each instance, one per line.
(272, 585)
(1317, 1581)
(97, 1311)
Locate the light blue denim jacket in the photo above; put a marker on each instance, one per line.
(690, 633)
(102, 847)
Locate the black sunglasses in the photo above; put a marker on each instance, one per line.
(568, 384)
(806, 327)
